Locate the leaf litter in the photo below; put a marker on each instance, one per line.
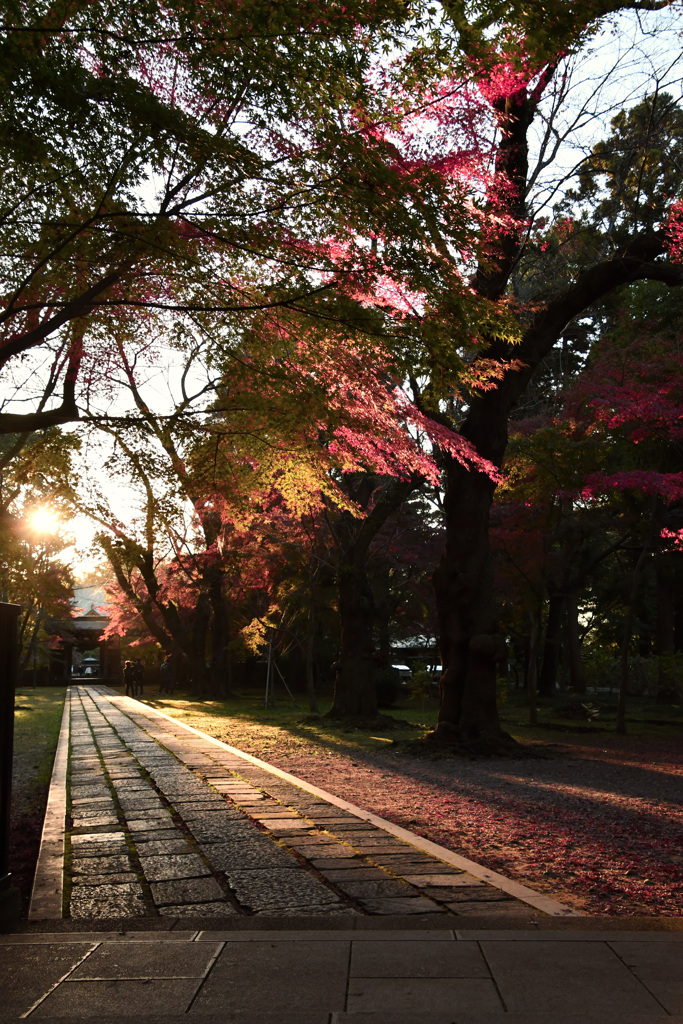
(598, 827)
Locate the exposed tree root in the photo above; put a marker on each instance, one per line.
(364, 723)
(449, 741)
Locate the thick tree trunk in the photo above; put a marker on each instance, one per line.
(471, 646)
(219, 636)
(547, 683)
(310, 657)
(193, 644)
(354, 691)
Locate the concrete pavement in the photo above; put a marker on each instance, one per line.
(392, 976)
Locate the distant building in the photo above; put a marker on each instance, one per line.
(416, 648)
(78, 649)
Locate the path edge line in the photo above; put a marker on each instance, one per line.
(546, 904)
(48, 881)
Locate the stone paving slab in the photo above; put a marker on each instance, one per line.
(107, 909)
(658, 967)
(182, 891)
(164, 866)
(303, 977)
(134, 960)
(411, 995)
(199, 910)
(342, 977)
(601, 982)
(284, 1017)
(181, 826)
(126, 999)
(28, 971)
(113, 878)
(479, 1017)
(377, 958)
(225, 1017)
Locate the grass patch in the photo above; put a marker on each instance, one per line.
(584, 715)
(245, 723)
(37, 718)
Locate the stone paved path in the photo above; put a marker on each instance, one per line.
(167, 823)
(249, 900)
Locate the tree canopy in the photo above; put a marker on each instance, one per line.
(358, 244)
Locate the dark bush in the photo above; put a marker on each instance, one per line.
(387, 686)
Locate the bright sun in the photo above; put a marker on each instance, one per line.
(43, 520)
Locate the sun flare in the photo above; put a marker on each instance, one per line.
(43, 520)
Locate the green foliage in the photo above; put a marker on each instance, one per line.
(36, 467)
(35, 472)
(627, 183)
(150, 162)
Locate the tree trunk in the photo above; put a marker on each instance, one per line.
(310, 657)
(532, 664)
(471, 646)
(664, 636)
(193, 644)
(577, 679)
(219, 635)
(354, 691)
(547, 683)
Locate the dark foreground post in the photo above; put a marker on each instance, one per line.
(10, 902)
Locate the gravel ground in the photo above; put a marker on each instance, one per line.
(598, 824)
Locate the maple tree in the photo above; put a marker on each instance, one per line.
(499, 292)
(592, 496)
(295, 416)
(208, 174)
(634, 398)
(159, 161)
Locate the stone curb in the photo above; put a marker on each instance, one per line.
(48, 883)
(269, 934)
(523, 893)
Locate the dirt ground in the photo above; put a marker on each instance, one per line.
(597, 822)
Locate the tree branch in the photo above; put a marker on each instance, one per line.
(14, 423)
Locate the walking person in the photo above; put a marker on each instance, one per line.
(139, 677)
(167, 677)
(129, 678)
